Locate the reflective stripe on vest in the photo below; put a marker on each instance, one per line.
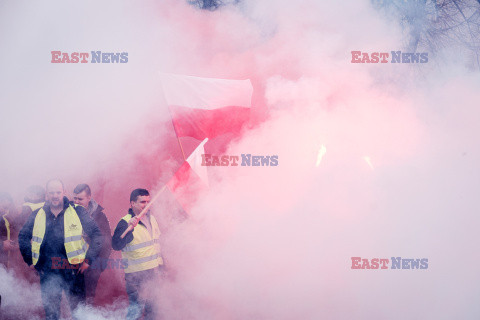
(34, 206)
(7, 225)
(75, 246)
(143, 252)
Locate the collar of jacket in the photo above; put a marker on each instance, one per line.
(130, 211)
(92, 207)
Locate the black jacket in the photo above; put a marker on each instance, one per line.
(102, 222)
(117, 242)
(53, 242)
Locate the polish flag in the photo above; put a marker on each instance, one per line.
(190, 179)
(206, 107)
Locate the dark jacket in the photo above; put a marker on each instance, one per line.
(97, 214)
(53, 242)
(117, 242)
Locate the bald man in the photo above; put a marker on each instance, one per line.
(51, 242)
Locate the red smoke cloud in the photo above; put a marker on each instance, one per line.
(264, 242)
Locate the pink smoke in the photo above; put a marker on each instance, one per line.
(265, 242)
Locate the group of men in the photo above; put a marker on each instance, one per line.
(68, 244)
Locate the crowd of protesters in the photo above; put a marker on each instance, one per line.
(65, 245)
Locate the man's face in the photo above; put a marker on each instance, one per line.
(137, 206)
(55, 193)
(81, 199)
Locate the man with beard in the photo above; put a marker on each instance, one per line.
(51, 242)
(82, 195)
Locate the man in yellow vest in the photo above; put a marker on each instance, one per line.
(51, 242)
(141, 253)
(6, 243)
(34, 199)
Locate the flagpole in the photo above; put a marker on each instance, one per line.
(176, 134)
(144, 211)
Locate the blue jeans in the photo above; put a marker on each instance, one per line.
(135, 282)
(52, 283)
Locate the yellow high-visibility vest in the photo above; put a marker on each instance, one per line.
(75, 245)
(34, 206)
(7, 225)
(143, 252)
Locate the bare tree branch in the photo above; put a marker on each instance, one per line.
(433, 25)
(469, 30)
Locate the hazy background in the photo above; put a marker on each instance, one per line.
(265, 242)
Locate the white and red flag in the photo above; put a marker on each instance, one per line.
(206, 107)
(191, 178)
